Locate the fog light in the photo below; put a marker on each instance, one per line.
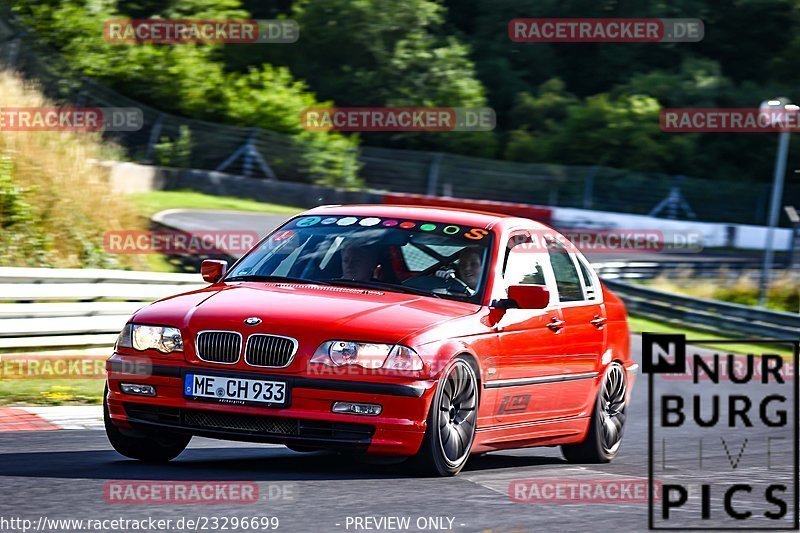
(368, 409)
(141, 390)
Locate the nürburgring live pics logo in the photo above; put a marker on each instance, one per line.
(723, 445)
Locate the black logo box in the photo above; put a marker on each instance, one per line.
(675, 345)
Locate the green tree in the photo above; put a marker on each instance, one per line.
(191, 79)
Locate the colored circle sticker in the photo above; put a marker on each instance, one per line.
(308, 221)
(347, 221)
(451, 230)
(407, 225)
(428, 227)
(371, 221)
(389, 223)
(329, 220)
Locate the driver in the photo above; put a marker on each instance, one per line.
(470, 265)
(359, 261)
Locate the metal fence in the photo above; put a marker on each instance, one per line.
(259, 153)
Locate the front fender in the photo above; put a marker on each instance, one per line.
(437, 355)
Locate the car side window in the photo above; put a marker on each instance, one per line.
(523, 266)
(588, 281)
(567, 280)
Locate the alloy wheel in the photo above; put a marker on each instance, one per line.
(457, 413)
(612, 409)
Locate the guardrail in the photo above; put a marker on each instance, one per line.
(715, 269)
(64, 308)
(707, 315)
(69, 308)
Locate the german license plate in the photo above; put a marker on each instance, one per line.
(235, 390)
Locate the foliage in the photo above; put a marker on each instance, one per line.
(557, 103)
(620, 132)
(190, 79)
(175, 153)
(55, 202)
(783, 293)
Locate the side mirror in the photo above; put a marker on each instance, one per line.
(529, 296)
(213, 270)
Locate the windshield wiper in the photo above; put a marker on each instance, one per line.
(280, 279)
(382, 285)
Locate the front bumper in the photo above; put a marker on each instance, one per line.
(306, 421)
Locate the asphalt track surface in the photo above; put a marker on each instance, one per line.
(62, 474)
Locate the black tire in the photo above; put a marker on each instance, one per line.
(439, 454)
(607, 423)
(162, 448)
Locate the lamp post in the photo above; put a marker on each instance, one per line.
(773, 108)
(794, 247)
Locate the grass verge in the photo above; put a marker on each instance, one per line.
(51, 391)
(150, 203)
(640, 324)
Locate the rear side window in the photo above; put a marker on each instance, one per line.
(588, 281)
(567, 280)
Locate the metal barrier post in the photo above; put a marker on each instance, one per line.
(155, 131)
(251, 155)
(433, 175)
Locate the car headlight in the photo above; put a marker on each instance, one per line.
(162, 338)
(124, 339)
(367, 355)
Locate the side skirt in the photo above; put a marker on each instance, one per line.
(531, 434)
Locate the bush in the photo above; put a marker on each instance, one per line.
(55, 202)
(783, 293)
(177, 153)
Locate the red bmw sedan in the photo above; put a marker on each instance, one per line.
(427, 333)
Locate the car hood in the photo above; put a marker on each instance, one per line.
(303, 311)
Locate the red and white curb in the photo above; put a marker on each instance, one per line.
(51, 418)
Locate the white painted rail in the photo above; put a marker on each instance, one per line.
(70, 308)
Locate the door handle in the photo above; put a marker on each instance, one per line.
(598, 321)
(556, 325)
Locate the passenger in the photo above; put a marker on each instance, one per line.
(359, 261)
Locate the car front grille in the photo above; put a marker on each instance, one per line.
(256, 427)
(248, 423)
(219, 346)
(269, 350)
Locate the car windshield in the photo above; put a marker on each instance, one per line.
(412, 256)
